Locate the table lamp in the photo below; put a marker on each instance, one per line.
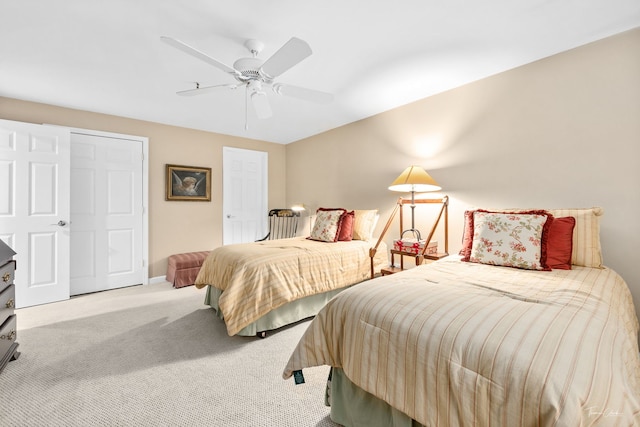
(414, 179)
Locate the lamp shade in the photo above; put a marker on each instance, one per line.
(414, 178)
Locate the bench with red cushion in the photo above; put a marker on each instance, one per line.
(183, 268)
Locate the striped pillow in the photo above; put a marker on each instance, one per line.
(586, 235)
(364, 222)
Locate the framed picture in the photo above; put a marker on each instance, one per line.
(188, 183)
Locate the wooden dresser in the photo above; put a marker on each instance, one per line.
(8, 326)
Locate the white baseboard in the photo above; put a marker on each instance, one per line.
(157, 279)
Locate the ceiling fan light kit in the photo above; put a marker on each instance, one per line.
(259, 100)
(255, 74)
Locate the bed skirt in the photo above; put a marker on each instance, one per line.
(281, 316)
(352, 406)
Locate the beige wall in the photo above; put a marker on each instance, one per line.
(560, 132)
(175, 226)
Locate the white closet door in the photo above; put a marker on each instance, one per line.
(244, 195)
(106, 213)
(34, 209)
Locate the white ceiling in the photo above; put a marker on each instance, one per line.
(106, 56)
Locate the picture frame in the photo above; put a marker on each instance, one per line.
(188, 183)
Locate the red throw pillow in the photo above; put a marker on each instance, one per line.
(560, 243)
(467, 235)
(345, 228)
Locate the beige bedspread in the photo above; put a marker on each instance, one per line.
(453, 343)
(258, 277)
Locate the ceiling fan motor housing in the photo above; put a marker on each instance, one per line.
(249, 68)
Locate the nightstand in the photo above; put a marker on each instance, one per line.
(419, 259)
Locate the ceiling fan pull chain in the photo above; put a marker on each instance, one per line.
(246, 108)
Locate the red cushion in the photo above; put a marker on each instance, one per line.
(345, 229)
(467, 234)
(188, 260)
(560, 243)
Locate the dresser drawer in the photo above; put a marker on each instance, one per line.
(7, 273)
(7, 302)
(8, 332)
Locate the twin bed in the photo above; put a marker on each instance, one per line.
(494, 336)
(260, 286)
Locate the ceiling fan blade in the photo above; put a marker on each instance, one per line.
(291, 53)
(303, 93)
(203, 90)
(198, 54)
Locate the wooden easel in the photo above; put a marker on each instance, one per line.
(444, 211)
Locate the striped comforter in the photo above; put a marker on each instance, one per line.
(261, 276)
(454, 343)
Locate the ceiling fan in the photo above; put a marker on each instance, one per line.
(256, 75)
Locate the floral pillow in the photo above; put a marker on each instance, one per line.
(327, 224)
(510, 239)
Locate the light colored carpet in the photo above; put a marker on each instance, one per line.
(152, 356)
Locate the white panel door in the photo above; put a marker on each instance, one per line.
(244, 195)
(106, 213)
(34, 209)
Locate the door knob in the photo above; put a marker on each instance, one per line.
(60, 223)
